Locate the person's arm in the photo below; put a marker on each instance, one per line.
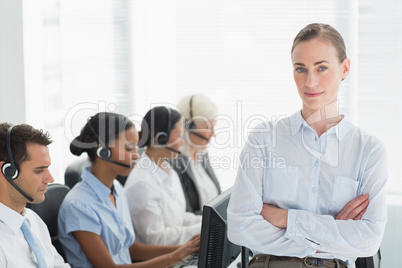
(3, 262)
(58, 260)
(158, 256)
(141, 252)
(348, 238)
(354, 210)
(189, 218)
(246, 226)
(149, 219)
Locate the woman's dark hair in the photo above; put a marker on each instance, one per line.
(101, 128)
(157, 121)
(325, 33)
(20, 136)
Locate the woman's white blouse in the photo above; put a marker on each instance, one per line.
(157, 205)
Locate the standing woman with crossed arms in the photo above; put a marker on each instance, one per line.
(325, 204)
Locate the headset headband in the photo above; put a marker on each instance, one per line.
(10, 153)
(94, 132)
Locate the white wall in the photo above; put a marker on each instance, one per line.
(12, 87)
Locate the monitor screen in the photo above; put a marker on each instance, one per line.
(215, 248)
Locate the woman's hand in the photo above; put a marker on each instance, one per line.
(276, 216)
(193, 245)
(355, 209)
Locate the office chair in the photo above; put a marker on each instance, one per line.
(364, 262)
(72, 175)
(369, 262)
(48, 210)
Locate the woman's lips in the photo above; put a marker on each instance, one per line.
(313, 94)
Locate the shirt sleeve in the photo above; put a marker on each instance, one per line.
(191, 219)
(79, 216)
(348, 238)
(149, 221)
(246, 226)
(58, 260)
(3, 262)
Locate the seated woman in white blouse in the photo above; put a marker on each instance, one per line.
(155, 196)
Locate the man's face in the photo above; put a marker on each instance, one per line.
(34, 174)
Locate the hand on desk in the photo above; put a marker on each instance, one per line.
(193, 245)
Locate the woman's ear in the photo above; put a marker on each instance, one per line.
(345, 68)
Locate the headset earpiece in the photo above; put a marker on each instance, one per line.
(162, 138)
(190, 125)
(103, 152)
(9, 171)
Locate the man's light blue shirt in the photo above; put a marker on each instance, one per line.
(87, 207)
(287, 165)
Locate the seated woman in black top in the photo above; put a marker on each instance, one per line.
(197, 177)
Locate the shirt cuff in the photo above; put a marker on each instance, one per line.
(291, 229)
(295, 235)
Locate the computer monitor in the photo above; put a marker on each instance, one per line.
(215, 248)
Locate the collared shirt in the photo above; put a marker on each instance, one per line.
(205, 186)
(14, 249)
(287, 165)
(157, 205)
(87, 207)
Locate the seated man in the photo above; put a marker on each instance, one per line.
(24, 161)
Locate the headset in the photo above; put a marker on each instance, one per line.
(190, 125)
(162, 138)
(103, 152)
(10, 170)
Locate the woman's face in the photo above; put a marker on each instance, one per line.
(317, 73)
(124, 150)
(205, 129)
(176, 137)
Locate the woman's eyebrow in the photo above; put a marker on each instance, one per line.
(316, 63)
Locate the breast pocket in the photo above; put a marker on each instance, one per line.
(281, 184)
(345, 190)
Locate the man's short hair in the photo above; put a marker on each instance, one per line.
(21, 135)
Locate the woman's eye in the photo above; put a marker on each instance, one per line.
(322, 68)
(300, 70)
(131, 148)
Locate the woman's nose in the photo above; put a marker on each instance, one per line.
(311, 80)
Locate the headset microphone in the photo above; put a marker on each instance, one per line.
(173, 150)
(20, 190)
(10, 170)
(117, 163)
(198, 135)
